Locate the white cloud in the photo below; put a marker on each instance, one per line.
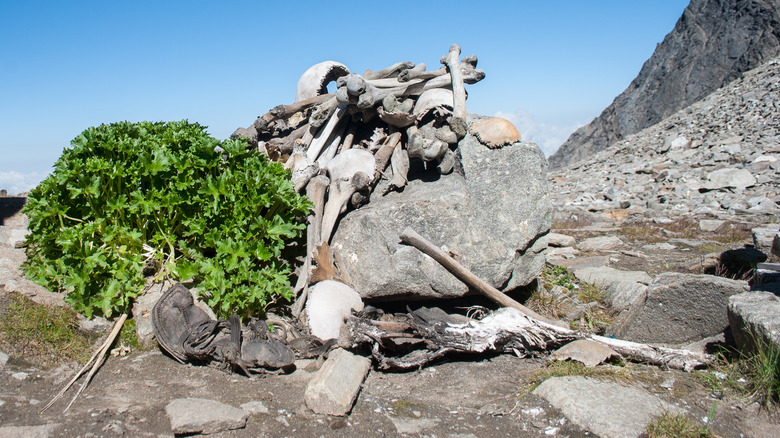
(548, 135)
(16, 182)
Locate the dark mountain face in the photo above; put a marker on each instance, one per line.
(712, 44)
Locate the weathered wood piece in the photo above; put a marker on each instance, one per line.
(411, 237)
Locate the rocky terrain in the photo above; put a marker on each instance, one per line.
(719, 157)
(661, 236)
(712, 43)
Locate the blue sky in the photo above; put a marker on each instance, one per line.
(64, 66)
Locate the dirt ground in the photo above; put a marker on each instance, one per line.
(458, 398)
(465, 396)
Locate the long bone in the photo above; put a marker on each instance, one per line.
(393, 70)
(285, 111)
(456, 76)
(323, 136)
(419, 72)
(349, 171)
(315, 191)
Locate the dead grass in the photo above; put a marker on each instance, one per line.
(671, 425)
(590, 293)
(595, 320)
(41, 335)
(547, 303)
(644, 232)
(573, 221)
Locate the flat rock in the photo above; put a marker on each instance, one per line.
(621, 288)
(763, 238)
(729, 178)
(41, 431)
(606, 409)
(600, 243)
(590, 353)
(560, 240)
(679, 308)
(492, 217)
(334, 388)
(199, 415)
(582, 262)
(754, 314)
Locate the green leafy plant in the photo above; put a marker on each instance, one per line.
(558, 275)
(166, 198)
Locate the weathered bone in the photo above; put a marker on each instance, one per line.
(399, 162)
(286, 145)
(303, 169)
(424, 145)
(324, 135)
(349, 171)
(285, 111)
(420, 73)
(456, 76)
(315, 191)
(495, 132)
(384, 153)
(334, 144)
(315, 80)
(323, 112)
(431, 99)
(393, 70)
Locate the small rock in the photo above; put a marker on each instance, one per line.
(42, 431)
(3, 359)
(254, 407)
(20, 375)
(582, 262)
(754, 314)
(197, 415)
(560, 240)
(738, 179)
(590, 353)
(601, 243)
(334, 388)
(710, 224)
(763, 238)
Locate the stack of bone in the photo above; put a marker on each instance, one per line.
(340, 145)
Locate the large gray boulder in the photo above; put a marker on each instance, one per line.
(492, 215)
(678, 308)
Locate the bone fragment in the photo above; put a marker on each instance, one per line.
(391, 71)
(458, 90)
(416, 73)
(323, 112)
(495, 132)
(349, 139)
(315, 191)
(324, 135)
(349, 172)
(285, 111)
(399, 162)
(384, 153)
(286, 145)
(333, 145)
(315, 80)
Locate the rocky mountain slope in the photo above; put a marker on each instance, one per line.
(719, 157)
(712, 44)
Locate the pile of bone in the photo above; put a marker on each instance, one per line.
(340, 145)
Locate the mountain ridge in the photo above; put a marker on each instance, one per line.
(712, 43)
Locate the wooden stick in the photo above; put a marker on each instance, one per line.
(411, 237)
(100, 355)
